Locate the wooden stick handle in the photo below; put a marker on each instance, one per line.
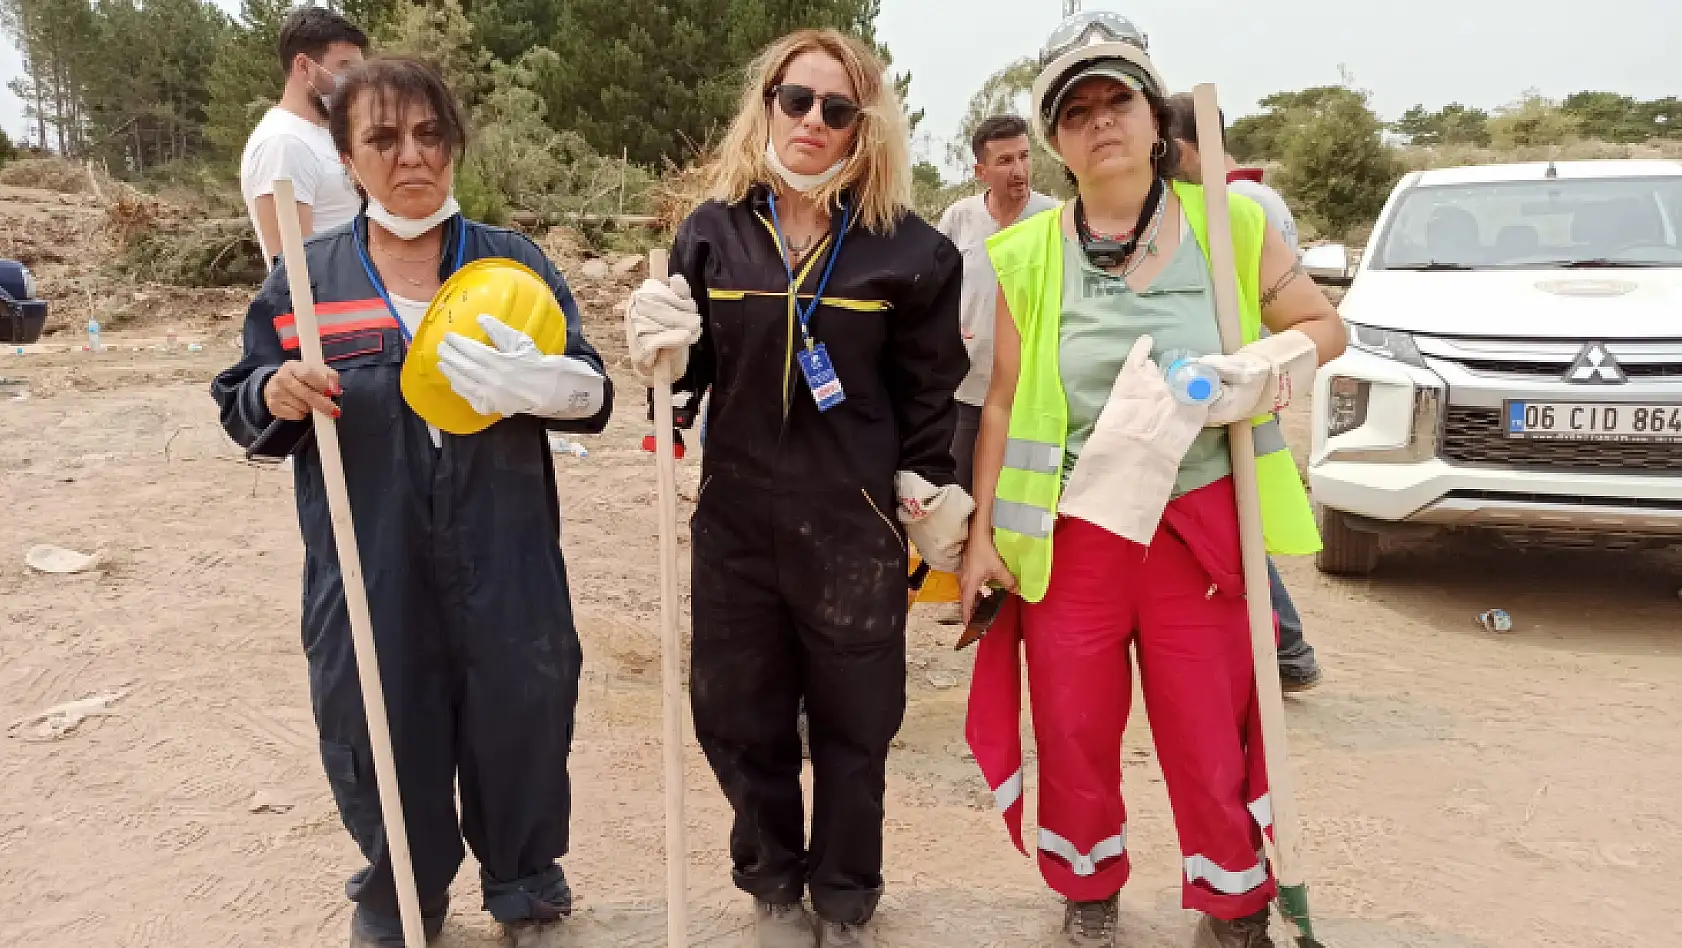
(671, 646)
(350, 569)
(1270, 698)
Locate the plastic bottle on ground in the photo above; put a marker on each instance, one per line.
(93, 336)
(1191, 382)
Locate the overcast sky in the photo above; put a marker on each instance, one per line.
(1480, 52)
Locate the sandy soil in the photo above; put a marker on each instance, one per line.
(1459, 790)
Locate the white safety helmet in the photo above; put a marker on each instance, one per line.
(1083, 46)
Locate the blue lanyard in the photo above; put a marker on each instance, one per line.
(806, 313)
(359, 237)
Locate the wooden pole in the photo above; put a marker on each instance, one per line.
(671, 645)
(1270, 698)
(350, 568)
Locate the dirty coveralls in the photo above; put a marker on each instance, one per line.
(799, 564)
(466, 587)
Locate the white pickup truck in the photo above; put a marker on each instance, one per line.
(1514, 362)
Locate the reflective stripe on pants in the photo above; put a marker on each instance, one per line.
(1195, 666)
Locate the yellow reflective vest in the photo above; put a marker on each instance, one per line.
(1028, 259)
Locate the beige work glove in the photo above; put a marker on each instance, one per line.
(935, 518)
(1263, 376)
(1125, 475)
(662, 320)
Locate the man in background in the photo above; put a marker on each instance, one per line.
(1003, 160)
(317, 48)
(1298, 669)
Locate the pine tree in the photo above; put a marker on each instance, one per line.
(246, 77)
(661, 79)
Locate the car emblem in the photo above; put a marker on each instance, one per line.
(1595, 366)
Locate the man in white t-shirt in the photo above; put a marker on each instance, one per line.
(1003, 160)
(1299, 670)
(317, 48)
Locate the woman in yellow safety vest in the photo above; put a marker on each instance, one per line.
(1086, 447)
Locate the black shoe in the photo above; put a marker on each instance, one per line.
(1296, 678)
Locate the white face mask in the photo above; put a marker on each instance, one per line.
(408, 228)
(327, 98)
(800, 182)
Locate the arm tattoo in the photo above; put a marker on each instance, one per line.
(1272, 294)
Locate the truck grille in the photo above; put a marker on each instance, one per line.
(1557, 370)
(1475, 436)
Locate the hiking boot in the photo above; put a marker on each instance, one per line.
(531, 933)
(368, 931)
(1248, 932)
(1090, 924)
(1296, 678)
(783, 925)
(843, 935)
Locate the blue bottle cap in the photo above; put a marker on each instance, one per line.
(1200, 390)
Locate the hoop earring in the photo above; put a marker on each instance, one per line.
(1159, 149)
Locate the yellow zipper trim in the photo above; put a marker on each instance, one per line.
(799, 281)
(839, 302)
(891, 528)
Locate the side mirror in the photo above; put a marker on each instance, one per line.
(1328, 264)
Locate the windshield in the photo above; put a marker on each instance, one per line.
(1609, 222)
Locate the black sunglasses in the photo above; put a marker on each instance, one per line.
(839, 112)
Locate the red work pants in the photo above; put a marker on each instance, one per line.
(1193, 643)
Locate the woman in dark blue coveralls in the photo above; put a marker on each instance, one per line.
(459, 536)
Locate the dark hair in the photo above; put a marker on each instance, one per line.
(395, 84)
(996, 129)
(1185, 119)
(311, 30)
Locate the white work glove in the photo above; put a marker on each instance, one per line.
(662, 319)
(935, 518)
(1263, 376)
(1125, 475)
(517, 378)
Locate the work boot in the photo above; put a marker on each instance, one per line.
(369, 931)
(531, 933)
(1298, 677)
(1250, 932)
(782, 925)
(1090, 924)
(843, 935)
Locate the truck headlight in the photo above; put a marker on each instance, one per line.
(1385, 343)
(1348, 408)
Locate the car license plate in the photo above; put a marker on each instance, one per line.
(1578, 421)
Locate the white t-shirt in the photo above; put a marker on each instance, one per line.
(411, 312)
(1277, 211)
(968, 224)
(284, 145)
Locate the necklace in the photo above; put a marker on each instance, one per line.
(1138, 259)
(798, 249)
(416, 283)
(387, 252)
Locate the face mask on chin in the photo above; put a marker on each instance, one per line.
(794, 179)
(324, 101)
(406, 228)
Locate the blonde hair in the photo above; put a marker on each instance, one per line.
(877, 172)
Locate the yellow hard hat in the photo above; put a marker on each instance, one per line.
(495, 286)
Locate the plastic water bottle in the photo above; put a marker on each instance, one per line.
(561, 445)
(1192, 382)
(93, 336)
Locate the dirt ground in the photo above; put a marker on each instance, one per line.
(1459, 789)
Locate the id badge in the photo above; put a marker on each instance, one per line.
(820, 377)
